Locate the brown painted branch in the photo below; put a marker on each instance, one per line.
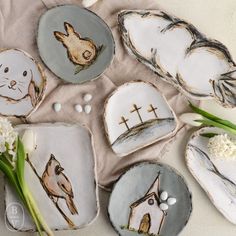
(68, 220)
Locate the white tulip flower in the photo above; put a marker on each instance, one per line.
(29, 141)
(189, 118)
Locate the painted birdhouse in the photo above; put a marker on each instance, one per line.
(146, 216)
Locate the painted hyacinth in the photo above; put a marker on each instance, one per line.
(222, 146)
(7, 140)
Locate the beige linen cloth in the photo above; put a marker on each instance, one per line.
(18, 29)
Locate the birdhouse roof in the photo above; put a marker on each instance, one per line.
(143, 199)
(153, 190)
(155, 186)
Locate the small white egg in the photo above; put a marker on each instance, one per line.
(87, 97)
(57, 106)
(78, 108)
(163, 206)
(88, 3)
(87, 109)
(171, 201)
(164, 195)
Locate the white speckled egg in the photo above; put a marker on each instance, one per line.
(88, 3)
(87, 97)
(171, 201)
(56, 106)
(163, 206)
(87, 109)
(78, 108)
(164, 195)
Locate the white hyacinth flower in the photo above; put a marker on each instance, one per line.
(7, 137)
(222, 146)
(29, 141)
(189, 118)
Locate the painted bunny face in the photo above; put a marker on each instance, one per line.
(16, 74)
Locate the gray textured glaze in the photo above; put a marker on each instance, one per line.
(88, 25)
(134, 184)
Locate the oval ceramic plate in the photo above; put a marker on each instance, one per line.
(138, 205)
(137, 115)
(199, 67)
(22, 83)
(216, 176)
(75, 43)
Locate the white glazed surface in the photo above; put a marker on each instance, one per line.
(72, 147)
(216, 176)
(121, 102)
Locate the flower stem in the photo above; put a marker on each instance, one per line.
(216, 124)
(37, 212)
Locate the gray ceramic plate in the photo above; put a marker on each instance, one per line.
(74, 43)
(135, 203)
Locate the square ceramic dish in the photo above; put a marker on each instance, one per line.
(61, 176)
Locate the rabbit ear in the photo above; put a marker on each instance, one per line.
(32, 91)
(69, 28)
(32, 94)
(59, 36)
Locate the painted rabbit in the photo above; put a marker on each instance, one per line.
(81, 51)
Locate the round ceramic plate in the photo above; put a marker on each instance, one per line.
(74, 43)
(150, 199)
(22, 83)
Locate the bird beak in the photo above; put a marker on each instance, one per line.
(60, 169)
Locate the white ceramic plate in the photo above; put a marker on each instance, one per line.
(216, 176)
(137, 115)
(61, 176)
(22, 83)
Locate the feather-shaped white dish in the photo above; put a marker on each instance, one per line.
(61, 176)
(199, 67)
(216, 176)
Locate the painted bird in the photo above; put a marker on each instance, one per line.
(57, 184)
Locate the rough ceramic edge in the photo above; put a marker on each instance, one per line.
(105, 24)
(150, 143)
(195, 34)
(44, 83)
(95, 173)
(151, 163)
(196, 134)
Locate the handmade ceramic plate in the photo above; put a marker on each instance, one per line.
(199, 67)
(216, 176)
(61, 176)
(137, 115)
(74, 43)
(150, 199)
(22, 83)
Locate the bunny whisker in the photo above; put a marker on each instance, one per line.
(19, 90)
